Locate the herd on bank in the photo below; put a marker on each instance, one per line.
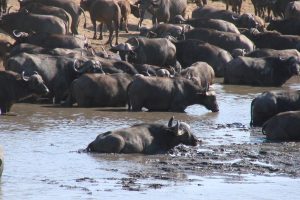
(169, 67)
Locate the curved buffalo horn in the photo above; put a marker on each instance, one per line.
(104, 51)
(75, 65)
(17, 34)
(9, 9)
(170, 124)
(119, 47)
(135, 46)
(234, 18)
(25, 78)
(179, 19)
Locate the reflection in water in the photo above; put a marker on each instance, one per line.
(41, 143)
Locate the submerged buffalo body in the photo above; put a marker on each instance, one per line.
(167, 94)
(268, 104)
(144, 138)
(13, 87)
(98, 90)
(269, 71)
(283, 127)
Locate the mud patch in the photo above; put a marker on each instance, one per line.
(267, 159)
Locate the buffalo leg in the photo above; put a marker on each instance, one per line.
(121, 23)
(126, 24)
(101, 31)
(95, 29)
(111, 30)
(74, 25)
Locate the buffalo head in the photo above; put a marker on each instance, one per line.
(127, 49)
(179, 19)
(182, 132)
(90, 66)
(35, 83)
(208, 99)
(294, 65)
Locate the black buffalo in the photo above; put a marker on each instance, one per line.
(14, 86)
(285, 26)
(283, 127)
(168, 94)
(268, 104)
(214, 13)
(107, 12)
(38, 8)
(216, 24)
(99, 90)
(225, 40)
(144, 138)
(28, 22)
(269, 71)
(200, 72)
(51, 41)
(68, 5)
(285, 53)
(191, 51)
(156, 51)
(57, 71)
(266, 40)
(162, 10)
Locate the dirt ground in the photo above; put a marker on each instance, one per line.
(262, 158)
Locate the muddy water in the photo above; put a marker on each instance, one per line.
(42, 160)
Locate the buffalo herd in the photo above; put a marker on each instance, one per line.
(168, 67)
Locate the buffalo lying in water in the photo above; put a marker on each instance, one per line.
(144, 138)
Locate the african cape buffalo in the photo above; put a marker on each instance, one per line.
(68, 5)
(168, 94)
(269, 71)
(268, 104)
(144, 138)
(284, 126)
(14, 86)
